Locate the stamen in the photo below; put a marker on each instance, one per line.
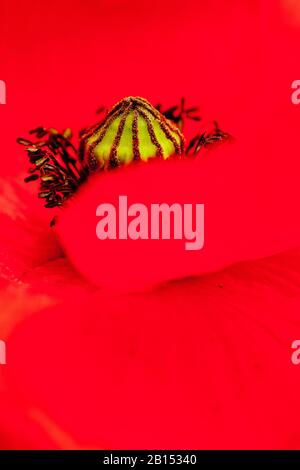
(55, 163)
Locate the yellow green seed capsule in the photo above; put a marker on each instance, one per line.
(131, 130)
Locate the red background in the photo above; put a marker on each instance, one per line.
(236, 60)
(61, 60)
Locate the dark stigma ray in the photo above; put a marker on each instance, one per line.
(92, 131)
(135, 137)
(102, 134)
(113, 160)
(165, 129)
(159, 152)
(166, 126)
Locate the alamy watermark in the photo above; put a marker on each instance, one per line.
(295, 357)
(159, 222)
(2, 352)
(2, 92)
(295, 96)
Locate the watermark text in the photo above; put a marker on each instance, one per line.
(2, 92)
(157, 222)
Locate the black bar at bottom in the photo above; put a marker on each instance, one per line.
(134, 459)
